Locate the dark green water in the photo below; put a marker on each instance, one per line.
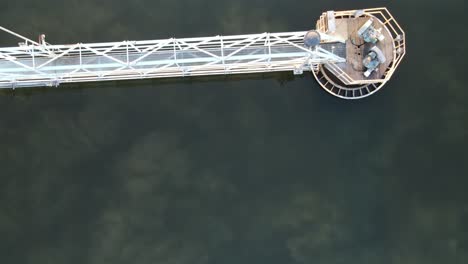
(249, 169)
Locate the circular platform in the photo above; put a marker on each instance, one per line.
(347, 80)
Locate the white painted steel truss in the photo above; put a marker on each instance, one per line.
(40, 64)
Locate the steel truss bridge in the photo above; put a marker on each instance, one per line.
(41, 64)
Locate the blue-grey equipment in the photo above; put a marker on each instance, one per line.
(372, 60)
(369, 33)
(312, 39)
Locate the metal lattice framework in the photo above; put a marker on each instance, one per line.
(41, 64)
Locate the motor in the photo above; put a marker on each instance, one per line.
(369, 33)
(372, 60)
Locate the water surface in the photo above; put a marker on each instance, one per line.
(263, 168)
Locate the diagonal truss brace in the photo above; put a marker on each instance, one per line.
(32, 66)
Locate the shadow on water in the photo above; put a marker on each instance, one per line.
(280, 77)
